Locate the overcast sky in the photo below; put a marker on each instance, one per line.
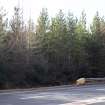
(34, 7)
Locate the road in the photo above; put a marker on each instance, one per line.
(61, 95)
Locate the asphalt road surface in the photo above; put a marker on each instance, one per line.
(62, 95)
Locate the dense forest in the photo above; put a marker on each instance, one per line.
(54, 51)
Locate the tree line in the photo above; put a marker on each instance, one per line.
(57, 50)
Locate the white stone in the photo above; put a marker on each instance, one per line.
(80, 81)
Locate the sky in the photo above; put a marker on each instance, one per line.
(33, 7)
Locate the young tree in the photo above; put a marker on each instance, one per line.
(16, 50)
(40, 46)
(78, 52)
(95, 47)
(3, 47)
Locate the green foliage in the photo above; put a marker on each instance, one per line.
(55, 51)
